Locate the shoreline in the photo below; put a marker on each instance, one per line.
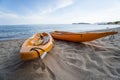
(21, 35)
(96, 60)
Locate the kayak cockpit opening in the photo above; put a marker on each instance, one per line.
(40, 39)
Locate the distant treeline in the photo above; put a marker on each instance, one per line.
(109, 23)
(102, 23)
(115, 22)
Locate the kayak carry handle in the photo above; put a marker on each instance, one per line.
(35, 49)
(40, 57)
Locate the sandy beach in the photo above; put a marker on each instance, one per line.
(95, 60)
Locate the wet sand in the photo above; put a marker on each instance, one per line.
(95, 60)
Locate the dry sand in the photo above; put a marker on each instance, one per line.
(96, 60)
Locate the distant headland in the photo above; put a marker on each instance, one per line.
(102, 23)
(110, 23)
(81, 23)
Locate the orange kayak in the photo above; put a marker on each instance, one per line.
(80, 37)
(36, 46)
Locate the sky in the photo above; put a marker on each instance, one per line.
(58, 11)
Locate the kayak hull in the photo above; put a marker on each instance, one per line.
(26, 52)
(80, 37)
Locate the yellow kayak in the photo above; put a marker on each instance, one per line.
(80, 37)
(36, 46)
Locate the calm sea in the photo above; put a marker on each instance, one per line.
(24, 31)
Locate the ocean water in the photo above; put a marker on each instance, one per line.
(24, 31)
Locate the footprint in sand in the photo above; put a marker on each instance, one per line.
(71, 60)
(118, 70)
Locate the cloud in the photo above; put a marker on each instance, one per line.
(64, 3)
(58, 5)
(11, 18)
(37, 17)
(52, 14)
(9, 15)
